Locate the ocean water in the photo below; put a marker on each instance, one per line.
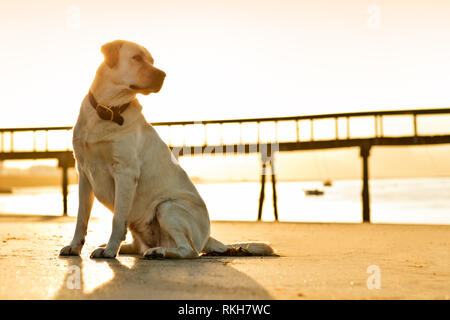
(417, 201)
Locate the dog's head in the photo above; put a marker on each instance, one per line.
(131, 65)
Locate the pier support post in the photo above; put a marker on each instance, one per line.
(65, 189)
(267, 159)
(365, 153)
(274, 188)
(263, 185)
(64, 162)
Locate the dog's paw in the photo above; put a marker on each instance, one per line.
(155, 253)
(70, 251)
(102, 253)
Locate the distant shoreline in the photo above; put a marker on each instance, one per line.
(7, 182)
(19, 181)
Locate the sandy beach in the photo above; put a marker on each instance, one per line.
(316, 261)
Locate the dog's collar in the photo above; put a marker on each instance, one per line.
(108, 113)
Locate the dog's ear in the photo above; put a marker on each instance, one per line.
(111, 52)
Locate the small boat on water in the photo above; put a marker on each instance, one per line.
(314, 192)
(327, 183)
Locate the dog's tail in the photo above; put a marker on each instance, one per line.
(216, 248)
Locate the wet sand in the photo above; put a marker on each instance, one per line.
(316, 261)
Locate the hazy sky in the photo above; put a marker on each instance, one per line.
(227, 59)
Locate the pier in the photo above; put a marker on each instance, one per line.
(265, 140)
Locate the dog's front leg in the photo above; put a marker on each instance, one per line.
(86, 199)
(125, 188)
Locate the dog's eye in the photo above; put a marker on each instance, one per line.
(137, 58)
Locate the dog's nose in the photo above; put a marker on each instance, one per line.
(158, 73)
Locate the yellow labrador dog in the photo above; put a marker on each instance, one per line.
(123, 162)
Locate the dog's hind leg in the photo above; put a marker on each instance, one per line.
(185, 238)
(135, 247)
(214, 246)
(126, 248)
(129, 248)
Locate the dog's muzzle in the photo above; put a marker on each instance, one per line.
(156, 83)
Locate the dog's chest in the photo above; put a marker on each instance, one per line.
(96, 162)
(89, 153)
